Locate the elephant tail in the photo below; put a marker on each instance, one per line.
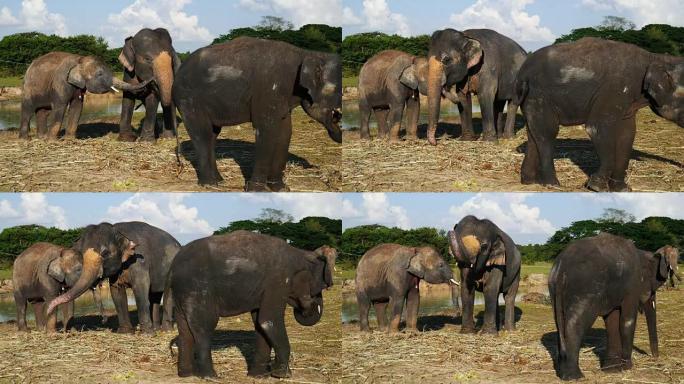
(559, 313)
(521, 89)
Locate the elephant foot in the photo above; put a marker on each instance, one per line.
(147, 138)
(468, 330)
(467, 136)
(167, 326)
(23, 135)
(126, 329)
(626, 364)
(207, 372)
(281, 371)
(260, 370)
(167, 134)
(550, 181)
(277, 186)
(214, 179)
(147, 330)
(24, 329)
(574, 374)
(618, 186)
(490, 137)
(256, 186)
(612, 365)
(598, 183)
(127, 137)
(365, 136)
(489, 330)
(365, 328)
(184, 372)
(529, 179)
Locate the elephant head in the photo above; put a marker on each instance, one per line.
(91, 73)
(480, 243)
(67, 267)
(415, 75)
(664, 87)
(306, 288)
(426, 263)
(451, 55)
(671, 255)
(655, 269)
(104, 251)
(320, 80)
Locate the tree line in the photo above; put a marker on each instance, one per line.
(18, 50)
(658, 38)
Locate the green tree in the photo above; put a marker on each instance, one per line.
(357, 240)
(358, 48)
(14, 240)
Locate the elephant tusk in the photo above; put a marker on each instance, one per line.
(456, 283)
(318, 307)
(114, 89)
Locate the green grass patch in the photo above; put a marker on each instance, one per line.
(6, 273)
(540, 267)
(12, 81)
(350, 81)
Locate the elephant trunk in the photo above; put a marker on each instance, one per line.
(455, 293)
(650, 312)
(435, 76)
(162, 66)
(128, 87)
(92, 271)
(455, 249)
(311, 312)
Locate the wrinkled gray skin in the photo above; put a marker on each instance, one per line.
(390, 274)
(149, 55)
(38, 276)
(492, 269)
(607, 276)
(132, 255)
(58, 80)
(601, 84)
(475, 61)
(240, 272)
(390, 82)
(672, 255)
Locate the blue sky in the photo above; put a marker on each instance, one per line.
(527, 217)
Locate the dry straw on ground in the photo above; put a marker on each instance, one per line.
(96, 161)
(453, 165)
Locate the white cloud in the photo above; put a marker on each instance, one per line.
(377, 16)
(34, 209)
(643, 12)
(643, 205)
(166, 211)
(509, 211)
(378, 210)
(168, 14)
(7, 211)
(299, 12)
(507, 17)
(34, 15)
(300, 205)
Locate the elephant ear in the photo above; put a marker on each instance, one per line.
(127, 55)
(55, 270)
(327, 269)
(75, 77)
(512, 258)
(176, 62)
(473, 52)
(126, 245)
(497, 254)
(659, 83)
(663, 266)
(409, 77)
(311, 74)
(414, 265)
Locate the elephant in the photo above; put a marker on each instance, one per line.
(490, 263)
(58, 80)
(604, 275)
(672, 255)
(239, 272)
(249, 79)
(131, 255)
(149, 54)
(390, 82)
(478, 61)
(38, 276)
(601, 84)
(389, 274)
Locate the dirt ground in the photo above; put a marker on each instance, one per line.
(440, 354)
(97, 355)
(97, 162)
(453, 165)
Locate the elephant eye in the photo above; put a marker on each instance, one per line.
(446, 59)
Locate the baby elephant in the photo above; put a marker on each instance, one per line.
(391, 273)
(59, 80)
(606, 276)
(672, 255)
(39, 275)
(245, 272)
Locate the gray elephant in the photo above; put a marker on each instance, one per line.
(672, 255)
(132, 255)
(390, 274)
(390, 82)
(40, 273)
(149, 55)
(601, 84)
(58, 80)
(490, 263)
(627, 282)
(479, 61)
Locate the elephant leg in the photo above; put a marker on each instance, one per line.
(201, 326)
(381, 315)
(487, 109)
(167, 319)
(542, 129)
(509, 129)
(468, 302)
(569, 345)
(271, 321)
(75, 109)
(396, 304)
(67, 314)
(141, 291)
(121, 304)
(364, 308)
(265, 126)
(499, 117)
(413, 113)
(281, 152)
(56, 117)
(150, 120)
(156, 318)
(26, 113)
(509, 299)
(170, 124)
(412, 304)
(203, 135)
(491, 296)
(262, 351)
(51, 319)
(97, 298)
(364, 116)
(39, 314)
(186, 345)
(613, 359)
(20, 303)
(625, 131)
(381, 119)
(465, 111)
(396, 114)
(41, 122)
(125, 127)
(628, 314)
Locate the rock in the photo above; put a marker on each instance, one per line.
(536, 279)
(349, 284)
(536, 298)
